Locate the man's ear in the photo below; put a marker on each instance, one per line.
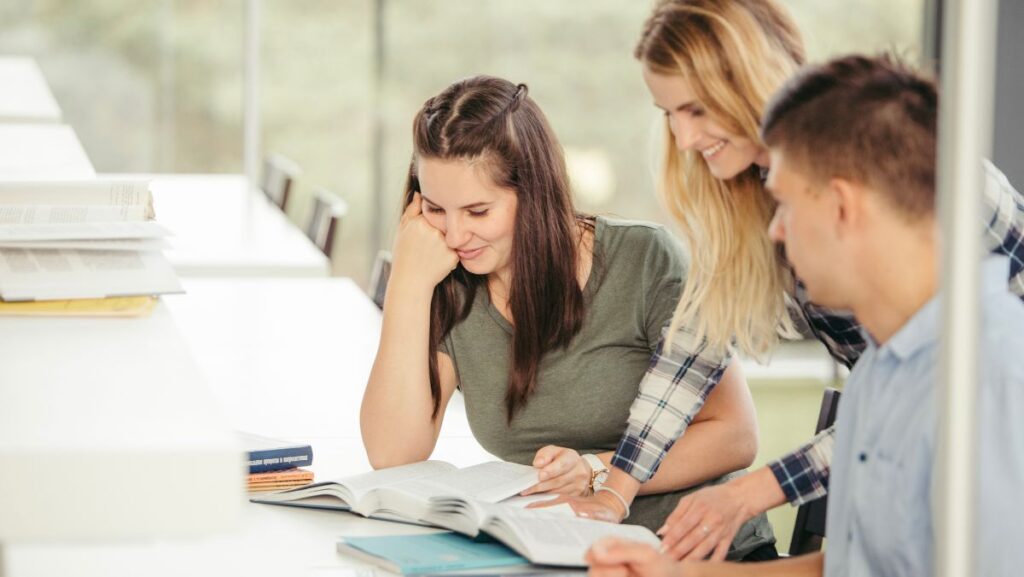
(848, 200)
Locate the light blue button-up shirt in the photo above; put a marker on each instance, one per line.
(880, 521)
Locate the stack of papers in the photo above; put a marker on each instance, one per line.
(88, 239)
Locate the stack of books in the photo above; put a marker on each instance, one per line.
(275, 465)
(279, 480)
(82, 240)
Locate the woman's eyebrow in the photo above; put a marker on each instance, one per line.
(468, 206)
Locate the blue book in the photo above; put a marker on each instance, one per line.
(439, 552)
(266, 454)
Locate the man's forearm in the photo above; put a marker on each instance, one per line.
(810, 565)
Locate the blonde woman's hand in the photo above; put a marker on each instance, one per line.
(562, 471)
(421, 256)
(704, 522)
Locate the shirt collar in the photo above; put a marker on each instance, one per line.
(924, 327)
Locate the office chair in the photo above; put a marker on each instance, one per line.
(809, 528)
(325, 219)
(379, 278)
(279, 173)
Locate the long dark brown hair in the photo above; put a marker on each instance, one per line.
(495, 122)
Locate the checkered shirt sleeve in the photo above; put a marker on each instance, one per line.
(672, 392)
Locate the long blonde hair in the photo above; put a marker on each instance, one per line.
(735, 54)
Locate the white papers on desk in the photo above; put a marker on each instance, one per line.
(97, 192)
(82, 231)
(71, 274)
(150, 244)
(81, 239)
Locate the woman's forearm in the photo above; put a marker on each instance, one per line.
(395, 418)
(709, 450)
(722, 439)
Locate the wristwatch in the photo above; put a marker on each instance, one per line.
(598, 472)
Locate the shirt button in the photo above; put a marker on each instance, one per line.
(863, 457)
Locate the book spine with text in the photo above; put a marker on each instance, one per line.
(279, 458)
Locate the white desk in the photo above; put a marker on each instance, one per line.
(42, 151)
(219, 232)
(287, 357)
(25, 96)
(82, 399)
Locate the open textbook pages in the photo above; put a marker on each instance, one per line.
(407, 492)
(482, 498)
(82, 231)
(27, 275)
(121, 194)
(557, 540)
(101, 244)
(81, 239)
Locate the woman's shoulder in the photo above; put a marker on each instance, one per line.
(636, 237)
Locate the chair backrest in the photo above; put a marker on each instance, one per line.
(279, 174)
(809, 528)
(325, 218)
(379, 278)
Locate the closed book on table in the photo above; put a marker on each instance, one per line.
(440, 552)
(281, 476)
(266, 454)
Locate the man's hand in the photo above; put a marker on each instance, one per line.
(621, 558)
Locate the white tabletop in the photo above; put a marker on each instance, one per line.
(99, 415)
(42, 151)
(289, 358)
(25, 96)
(222, 228)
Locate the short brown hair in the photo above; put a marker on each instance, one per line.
(868, 119)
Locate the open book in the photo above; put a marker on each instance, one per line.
(412, 492)
(481, 498)
(81, 239)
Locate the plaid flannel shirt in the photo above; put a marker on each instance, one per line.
(679, 381)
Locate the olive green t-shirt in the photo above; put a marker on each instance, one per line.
(583, 393)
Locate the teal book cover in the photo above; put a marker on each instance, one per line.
(439, 552)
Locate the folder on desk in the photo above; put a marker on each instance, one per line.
(112, 307)
(435, 553)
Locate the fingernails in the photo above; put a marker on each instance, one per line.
(661, 531)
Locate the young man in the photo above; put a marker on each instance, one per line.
(852, 146)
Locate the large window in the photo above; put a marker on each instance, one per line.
(148, 86)
(157, 86)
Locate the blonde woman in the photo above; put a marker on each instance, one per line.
(711, 66)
